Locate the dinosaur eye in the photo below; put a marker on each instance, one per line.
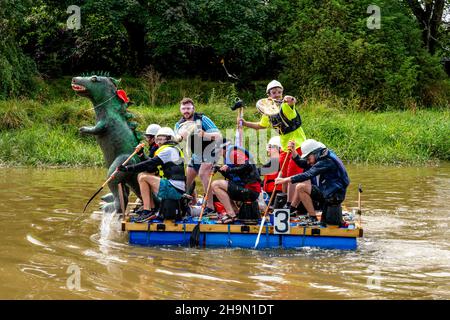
(94, 79)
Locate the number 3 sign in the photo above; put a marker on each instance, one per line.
(281, 219)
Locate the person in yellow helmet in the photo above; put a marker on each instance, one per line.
(288, 124)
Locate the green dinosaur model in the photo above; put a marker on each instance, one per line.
(114, 131)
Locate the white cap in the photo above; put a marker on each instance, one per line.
(152, 129)
(166, 131)
(274, 141)
(273, 84)
(310, 145)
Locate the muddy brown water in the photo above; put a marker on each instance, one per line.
(46, 243)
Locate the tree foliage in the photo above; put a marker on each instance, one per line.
(330, 48)
(17, 71)
(321, 46)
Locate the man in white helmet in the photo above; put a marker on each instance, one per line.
(150, 135)
(271, 169)
(170, 183)
(288, 124)
(322, 165)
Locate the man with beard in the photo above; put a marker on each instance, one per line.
(201, 143)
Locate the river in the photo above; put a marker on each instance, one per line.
(49, 250)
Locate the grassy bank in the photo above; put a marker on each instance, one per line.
(45, 131)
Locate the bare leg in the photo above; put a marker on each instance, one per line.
(190, 177)
(219, 187)
(290, 192)
(303, 190)
(284, 188)
(148, 183)
(204, 174)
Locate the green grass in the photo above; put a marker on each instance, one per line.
(44, 132)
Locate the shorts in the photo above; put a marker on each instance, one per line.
(290, 168)
(317, 195)
(239, 193)
(195, 165)
(168, 191)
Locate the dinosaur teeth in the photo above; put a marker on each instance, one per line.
(77, 87)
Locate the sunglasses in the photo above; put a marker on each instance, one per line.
(150, 136)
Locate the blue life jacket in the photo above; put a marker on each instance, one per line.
(334, 183)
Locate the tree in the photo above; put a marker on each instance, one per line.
(429, 14)
(17, 71)
(329, 49)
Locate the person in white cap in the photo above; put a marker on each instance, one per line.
(271, 169)
(329, 172)
(170, 181)
(288, 124)
(150, 134)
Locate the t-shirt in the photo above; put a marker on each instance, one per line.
(172, 155)
(297, 135)
(207, 126)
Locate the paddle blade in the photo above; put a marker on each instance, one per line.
(195, 237)
(98, 191)
(263, 219)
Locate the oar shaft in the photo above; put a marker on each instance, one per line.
(205, 199)
(274, 189)
(263, 219)
(136, 150)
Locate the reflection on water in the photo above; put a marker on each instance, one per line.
(404, 253)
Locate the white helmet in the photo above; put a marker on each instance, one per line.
(166, 131)
(310, 145)
(152, 129)
(273, 84)
(274, 141)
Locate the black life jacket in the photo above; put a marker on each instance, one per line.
(239, 179)
(171, 170)
(283, 125)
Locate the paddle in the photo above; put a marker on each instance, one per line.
(138, 148)
(359, 202)
(239, 139)
(263, 219)
(195, 234)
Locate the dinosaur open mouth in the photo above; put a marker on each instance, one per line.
(78, 88)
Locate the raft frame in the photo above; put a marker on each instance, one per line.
(242, 236)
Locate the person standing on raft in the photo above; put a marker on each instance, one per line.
(288, 124)
(202, 145)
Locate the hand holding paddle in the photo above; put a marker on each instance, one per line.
(136, 150)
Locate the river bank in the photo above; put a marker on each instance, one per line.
(45, 132)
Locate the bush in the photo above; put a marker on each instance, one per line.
(329, 48)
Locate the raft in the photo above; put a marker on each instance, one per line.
(238, 235)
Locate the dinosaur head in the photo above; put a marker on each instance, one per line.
(97, 88)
